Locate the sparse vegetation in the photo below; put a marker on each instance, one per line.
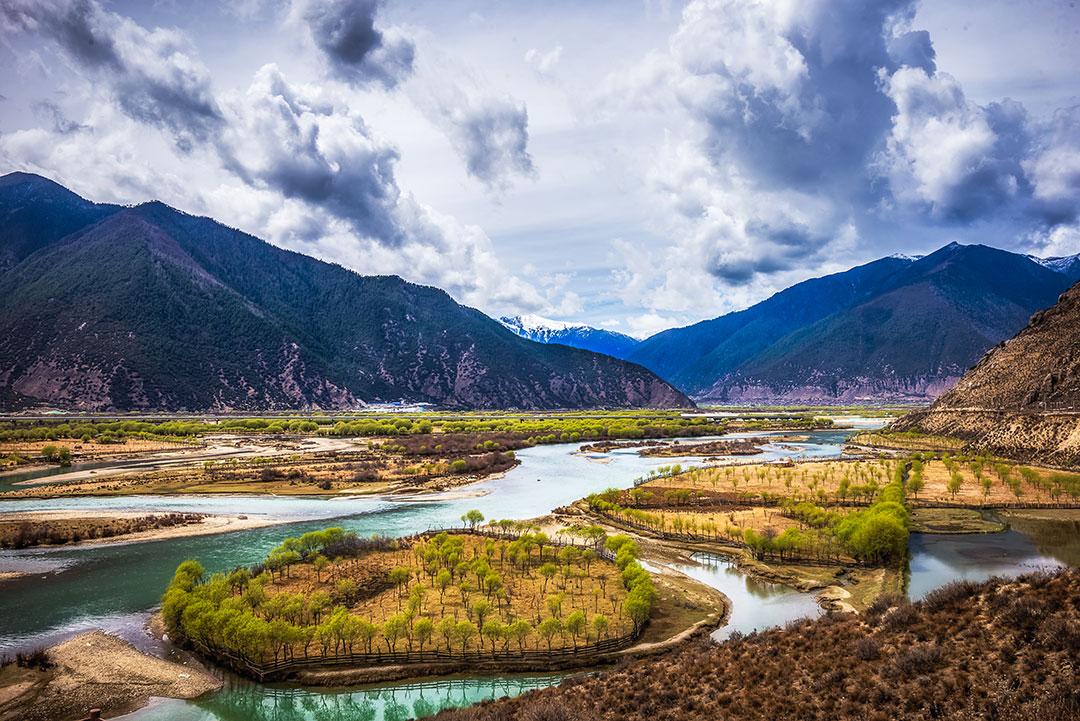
(331, 596)
(1002, 650)
(46, 532)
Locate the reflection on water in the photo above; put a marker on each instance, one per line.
(937, 560)
(245, 701)
(755, 604)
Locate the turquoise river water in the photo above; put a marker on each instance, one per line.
(116, 586)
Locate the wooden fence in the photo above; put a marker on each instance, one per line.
(283, 668)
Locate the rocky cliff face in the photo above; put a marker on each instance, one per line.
(1022, 399)
(150, 308)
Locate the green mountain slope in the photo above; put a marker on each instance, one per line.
(151, 308)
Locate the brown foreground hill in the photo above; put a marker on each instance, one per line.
(1022, 400)
(1006, 650)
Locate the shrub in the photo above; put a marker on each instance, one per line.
(918, 660)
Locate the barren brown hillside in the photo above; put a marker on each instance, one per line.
(1023, 398)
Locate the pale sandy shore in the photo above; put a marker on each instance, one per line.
(96, 670)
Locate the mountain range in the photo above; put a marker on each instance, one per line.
(104, 307)
(1022, 400)
(898, 329)
(544, 330)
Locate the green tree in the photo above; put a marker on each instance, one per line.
(393, 629)
(464, 631)
(548, 571)
(319, 564)
(472, 518)
(519, 630)
(548, 629)
(423, 629)
(576, 623)
(600, 625)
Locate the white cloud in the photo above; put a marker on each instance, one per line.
(544, 62)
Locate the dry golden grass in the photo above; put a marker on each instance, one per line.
(83, 450)
(719, 522)
(595, 590)
(988, 487)
(801, 481)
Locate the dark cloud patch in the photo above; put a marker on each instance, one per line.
(799, 103)
(913, 49)
(51, 113)
(493, 138)
(153, 75)
(78, 26)
(355, 50)
(282, 138)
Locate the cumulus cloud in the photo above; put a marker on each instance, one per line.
(154, 76)
(961, 160)
(296, 141)
(296, 163)
(544, 62)
(488, 130)
(1054, 167)
(355, 50)
(809, 127)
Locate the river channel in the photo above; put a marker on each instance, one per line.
(116, 586)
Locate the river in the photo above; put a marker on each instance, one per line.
(115, 587)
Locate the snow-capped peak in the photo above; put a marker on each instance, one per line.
(536, 323)
(1060, 263)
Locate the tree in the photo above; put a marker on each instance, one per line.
(399, 576)
(481, 609)
(554, 604)
(548, 571)
(319, 564)
(464, 631)
(549, 628)
(345, 590)
(915, 482)
(575, 625)
(443, 580)
(423, 629)
(600, 625)
(494, 631)
(637, 607)
(472, 518)
(367, 631)
(519, 631)
(393, 629)
(447, 629)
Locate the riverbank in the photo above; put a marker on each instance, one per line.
(837, 587)
(75, 522)
(96, 670)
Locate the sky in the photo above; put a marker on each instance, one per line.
(633, 164)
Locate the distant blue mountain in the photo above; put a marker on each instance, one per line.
(544, 330)
(899, 328)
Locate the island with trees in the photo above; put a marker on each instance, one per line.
(504, 595)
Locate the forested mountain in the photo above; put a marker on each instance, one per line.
(1022, 400)
(895, 329)
(147, 307)
(543, 330)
